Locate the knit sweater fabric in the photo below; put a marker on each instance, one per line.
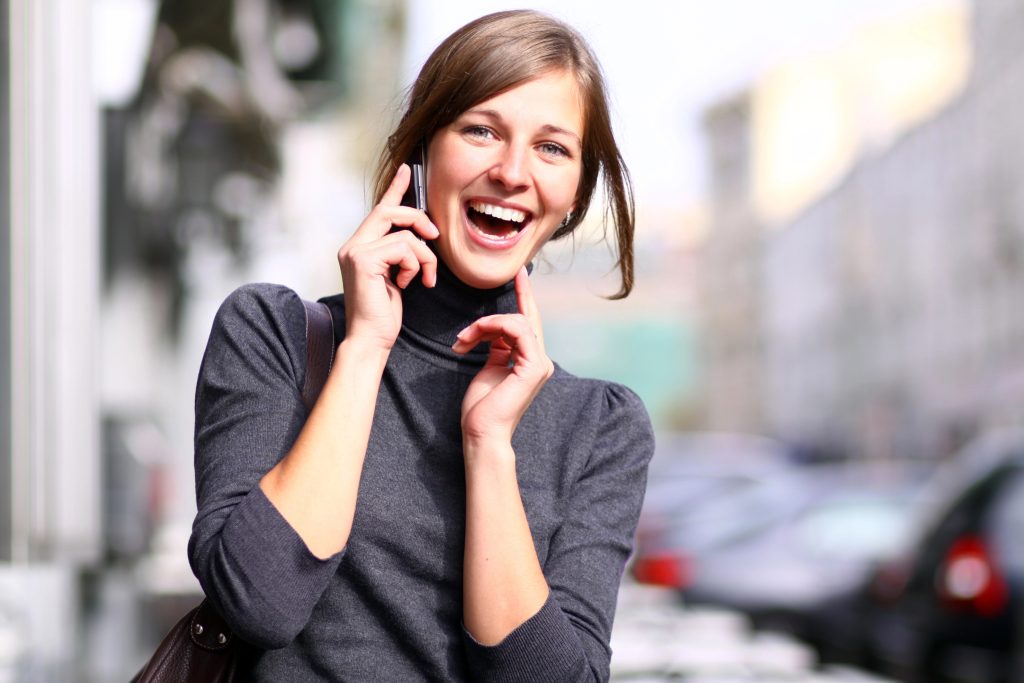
(389, 606)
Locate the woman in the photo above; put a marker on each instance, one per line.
(455, 506)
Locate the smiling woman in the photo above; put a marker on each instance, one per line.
(455, 506)
(502, 177)
(482, 62)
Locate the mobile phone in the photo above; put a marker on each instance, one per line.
(416, 195)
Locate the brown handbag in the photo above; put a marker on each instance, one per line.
(201, 647)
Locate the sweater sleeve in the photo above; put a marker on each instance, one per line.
(250, 562)
(568, 638)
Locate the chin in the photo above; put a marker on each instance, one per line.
(481, 271)
(484, 280)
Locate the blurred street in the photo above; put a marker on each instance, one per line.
(658, 640)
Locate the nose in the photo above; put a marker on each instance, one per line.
(510, 169)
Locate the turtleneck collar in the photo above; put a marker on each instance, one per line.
(439, 313)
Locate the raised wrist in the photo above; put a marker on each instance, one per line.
(488, 449)
(363, 352)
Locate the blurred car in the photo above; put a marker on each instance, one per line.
(741, 523)
(828, 534)
(691, 480)
(951, 607)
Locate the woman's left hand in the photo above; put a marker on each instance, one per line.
(516, 368)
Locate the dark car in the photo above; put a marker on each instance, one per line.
(822, 542)
(738, 522)
(951, 606)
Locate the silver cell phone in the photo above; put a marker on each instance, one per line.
(416, 195)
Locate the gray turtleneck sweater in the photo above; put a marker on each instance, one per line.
(389, 606)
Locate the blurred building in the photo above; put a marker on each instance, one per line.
(156, 154)
(50, 494)
(882, 315)
(730, 283)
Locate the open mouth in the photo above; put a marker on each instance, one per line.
(496, 223)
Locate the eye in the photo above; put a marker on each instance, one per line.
(478, 132)
(553, 149)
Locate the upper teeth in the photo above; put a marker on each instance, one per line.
(502, 212)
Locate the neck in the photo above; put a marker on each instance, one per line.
(441, 312)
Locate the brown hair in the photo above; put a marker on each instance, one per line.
(493, 54)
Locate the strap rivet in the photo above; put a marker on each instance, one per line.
(221, 638)
(197, 629)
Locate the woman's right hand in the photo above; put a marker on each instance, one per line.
(373, 302)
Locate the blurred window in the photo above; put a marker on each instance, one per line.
(749, 508)
(854, 528)
(690, 492)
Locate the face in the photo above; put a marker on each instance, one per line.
(503, 175)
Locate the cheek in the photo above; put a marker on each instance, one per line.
(446, 178)
(561, 192)
(439, 170)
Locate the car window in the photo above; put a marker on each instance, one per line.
(743, 509)
(854, 528)
(1007, 523)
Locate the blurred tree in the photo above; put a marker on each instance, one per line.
(198, 146)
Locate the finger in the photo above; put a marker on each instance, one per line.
(399, 184)
(408, 217)
(426, 258)
(527, 304)
(400, 250)
(403, 256)
(385, 219)
(389, 213)
(514, 330)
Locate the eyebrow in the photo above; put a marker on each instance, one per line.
(547, 128)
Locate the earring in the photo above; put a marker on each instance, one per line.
(565, 221)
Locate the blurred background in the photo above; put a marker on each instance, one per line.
(830, 244)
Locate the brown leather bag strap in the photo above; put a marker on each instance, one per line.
(319, 349)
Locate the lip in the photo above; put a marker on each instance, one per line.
(494, 244)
